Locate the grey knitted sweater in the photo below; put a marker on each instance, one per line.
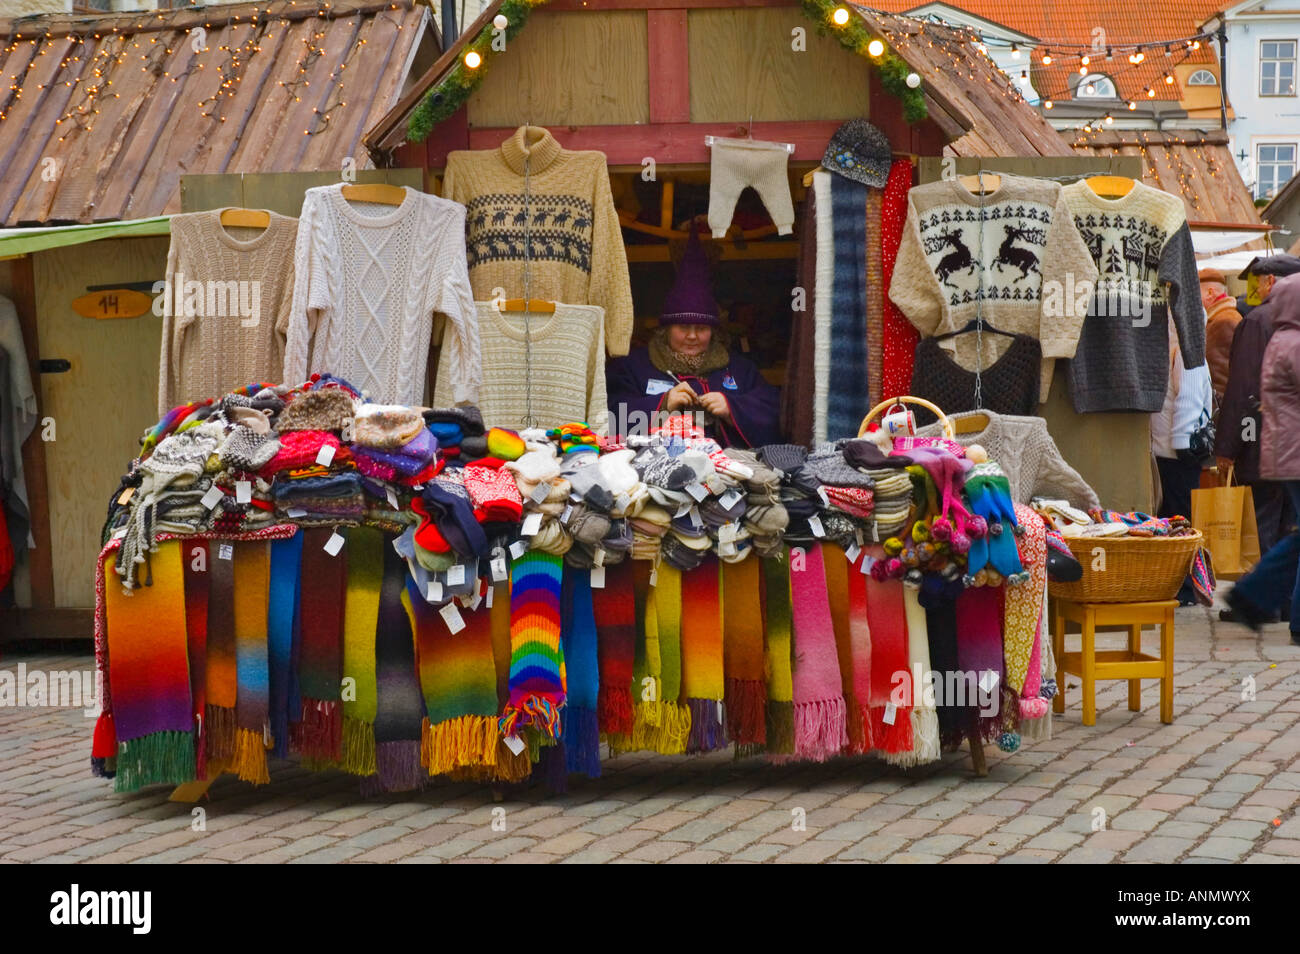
(1142, 248)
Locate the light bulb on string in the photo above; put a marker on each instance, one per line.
(840, 16)
(1047, 57)
(1015, 52)
(875, 48)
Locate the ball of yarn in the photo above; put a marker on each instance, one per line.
(908, 557)
(924, 554)
(1015, 579)
(976, 527)
(894, 568)
(920, 532)
(893, 546)
(994, 577)
(941, 529)
(880, 571)
(977, 454)
(1034, 708)
(960, 543)
(1009, 741)
(913, 578)
(981, 577)
(1048, 689)
(995, 528)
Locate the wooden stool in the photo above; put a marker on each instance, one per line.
(1131, 664)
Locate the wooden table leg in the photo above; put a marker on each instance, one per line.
(977, 754)
(1167, 656)
(1089, 666)
(1058, 647)
(1135, 685)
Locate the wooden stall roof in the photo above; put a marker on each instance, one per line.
(972, 102)
(977, 106)
(101, 116)
(1196, 165)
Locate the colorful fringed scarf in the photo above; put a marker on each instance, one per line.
(860, 655)
(194, 563)
(924, 719)
(820, 728)
(399, 712)
(581, 730)
(742, 652)
(459, 682)
(703, 683)
(318, 733)
(837, 591)
(149, 669)
(252, 671)
(1023, 600)
(659, 724)
(282, 615)
(887, 619)
(510, 766)
(221, 673)
(979, 649)
(365, 574)
(779, 654)
(537, 676)
(614, 607)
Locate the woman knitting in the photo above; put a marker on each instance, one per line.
(688, 369)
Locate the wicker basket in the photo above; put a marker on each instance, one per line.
(1137, 569)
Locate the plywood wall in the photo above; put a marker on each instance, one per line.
(102, 406)
(743, 65)
(569, 69)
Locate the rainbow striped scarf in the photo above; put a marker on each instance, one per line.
(365, 573)
(252, 670)
(148, 666)
(703, 683)
(780, 653)
(317, 722)
(537, 676)
(459, 681)
(659, 724)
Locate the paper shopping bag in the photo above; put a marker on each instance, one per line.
(1226, 516)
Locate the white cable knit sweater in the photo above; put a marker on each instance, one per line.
(368, 280)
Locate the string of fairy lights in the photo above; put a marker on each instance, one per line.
(88, 61)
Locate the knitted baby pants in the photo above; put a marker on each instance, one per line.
(741, 162)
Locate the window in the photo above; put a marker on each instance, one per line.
(1276, 164)
(1277, 68)
(1095, 85)
(1202, 78)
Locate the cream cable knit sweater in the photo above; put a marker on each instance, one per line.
(368, 280)
(226, 307)
(568, 368)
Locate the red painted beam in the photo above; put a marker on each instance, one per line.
(672, 142)
(670, 75)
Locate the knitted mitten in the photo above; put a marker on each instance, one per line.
(990, 496)
(656, 468)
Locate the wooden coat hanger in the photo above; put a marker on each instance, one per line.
(1111, 187)
(538, 306)
(972, 423)
(377, 192)
(981, 183)
(246, 218)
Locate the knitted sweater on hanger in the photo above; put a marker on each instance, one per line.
(576, 242)
(568, 367)
(1018, 270)
(368, 280)
(1140, 243)
(226, 310)
(1028, 456)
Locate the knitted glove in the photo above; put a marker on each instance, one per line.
(989, 493)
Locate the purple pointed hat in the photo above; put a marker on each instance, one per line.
(690, 300)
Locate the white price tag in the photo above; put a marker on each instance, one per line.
(119, 533)
(726, 549)
(532, 523)
(697, 490)
(456, 574)
(891, 713)
(296, 512)
(815, 525)
(654, 577)
(989, 681)
(622, 502)
(490, 591)
(225, 551)
(433, 592)
(541, 492)
(682, 509)
(598, 558)
(473, 604)
(499, 567)
(514, 744)
(325, 456)
(518, 548)
(568, 512)
(598, 577)
(868, 562)
(875, 532)
(334, 544)
(212, 497)
(243, 491)
(853, 553)
(857, 535)
(451, 614)
(826, 500)
(392, 498)
(726, 533)
(731, 498)
(696, 520)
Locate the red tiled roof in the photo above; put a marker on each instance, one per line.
(1070, 24)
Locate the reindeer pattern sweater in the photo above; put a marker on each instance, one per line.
(1142, 247)
(1012, 256)
(573, 234)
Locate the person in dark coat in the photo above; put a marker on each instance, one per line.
(1237, 435)
(1275, 580)
(688, 368)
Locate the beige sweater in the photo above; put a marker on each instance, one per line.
(573, 230)
(225, 308)
(568, 367)
(1033, 277)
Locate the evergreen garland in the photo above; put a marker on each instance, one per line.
(453, 90)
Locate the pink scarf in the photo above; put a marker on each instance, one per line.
(820, 728)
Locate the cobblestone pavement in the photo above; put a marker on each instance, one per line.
(1219, 785)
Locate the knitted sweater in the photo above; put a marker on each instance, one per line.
(1028, 456)
(568, 367)
(576, 242)
(225, 308)
(368, 280)
(1139, 243)
(1015, 269)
